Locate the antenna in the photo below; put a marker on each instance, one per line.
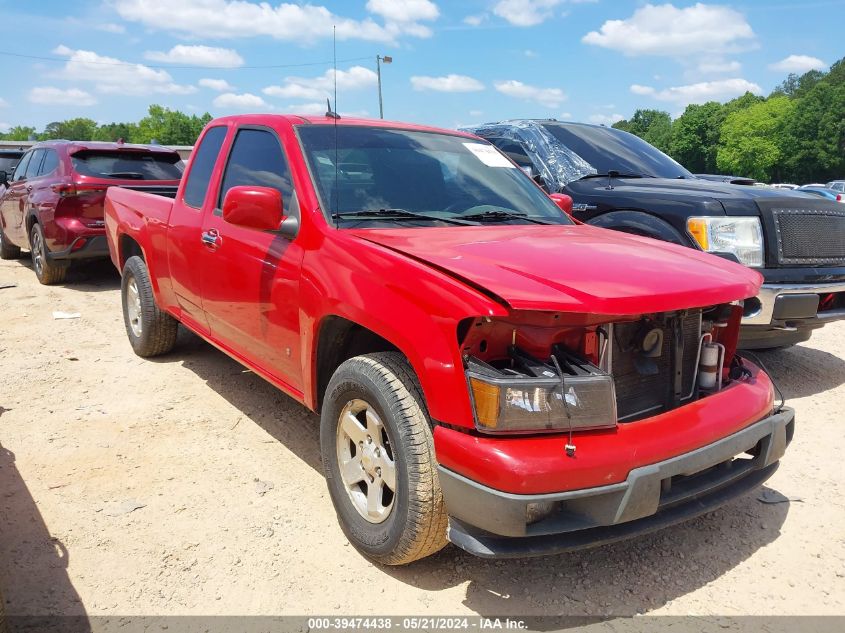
(335, 116)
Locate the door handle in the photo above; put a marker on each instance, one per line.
(212, 238)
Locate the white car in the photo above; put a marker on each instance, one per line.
(836, 185)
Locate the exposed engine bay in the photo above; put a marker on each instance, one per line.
(544, 372)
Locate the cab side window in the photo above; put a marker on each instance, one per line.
(50, 162)
(202, 166)
(34, 163)
(20, 170)
(257, 160)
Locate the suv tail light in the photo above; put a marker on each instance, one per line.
(68, 189)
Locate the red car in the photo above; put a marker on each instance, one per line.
(486, 370)
(53, 202)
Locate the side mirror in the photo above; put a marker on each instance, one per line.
(254, 207)
(563, 201)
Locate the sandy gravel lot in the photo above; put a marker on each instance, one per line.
(231, 514)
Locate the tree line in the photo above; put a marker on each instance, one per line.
(162, 125)
(796, 134)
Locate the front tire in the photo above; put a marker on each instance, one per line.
(47, 271)
(151, 331)
(378, 458)
(7, 250)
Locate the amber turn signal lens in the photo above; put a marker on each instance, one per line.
(697, 227)
(486, 397)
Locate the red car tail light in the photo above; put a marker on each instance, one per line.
(68, 189)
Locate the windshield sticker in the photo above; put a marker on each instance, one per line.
(489, 155)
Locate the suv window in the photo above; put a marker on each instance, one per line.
(50, 163)
(127, 165)
(257, 160)
(20, 170)
(202, 164)
(8, 160)
(34, 163)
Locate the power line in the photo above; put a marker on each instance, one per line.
(174, 67)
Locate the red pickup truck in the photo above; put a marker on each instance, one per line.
(486, 370)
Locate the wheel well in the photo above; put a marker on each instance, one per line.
(339, 340)
(129, 248)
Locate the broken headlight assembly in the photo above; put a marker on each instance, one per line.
(526, 395)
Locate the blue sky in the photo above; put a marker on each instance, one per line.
(453, 62)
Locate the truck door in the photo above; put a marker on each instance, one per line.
(185, 251)
(250, 278)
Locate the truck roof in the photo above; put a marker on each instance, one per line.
(313, 119)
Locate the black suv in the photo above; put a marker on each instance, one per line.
(619, 181)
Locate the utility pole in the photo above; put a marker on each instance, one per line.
(387, 60)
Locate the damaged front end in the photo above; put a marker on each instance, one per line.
(543, 372)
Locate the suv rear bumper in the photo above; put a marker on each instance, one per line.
(491, 523)
(84, 247)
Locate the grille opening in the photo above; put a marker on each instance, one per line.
(810, 236)
(680, 488)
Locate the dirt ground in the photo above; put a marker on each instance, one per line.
(188, 485)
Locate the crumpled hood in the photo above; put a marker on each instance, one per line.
(573, 268)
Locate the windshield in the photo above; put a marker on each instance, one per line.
(440, 178)
(127, 165)
(608, 149)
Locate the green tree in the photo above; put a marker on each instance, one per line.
(752, 140)
(695, 137)
(79, 129)
(169, 127)
(815, 134)
(116, 131)
(18, 133)
(653, 126)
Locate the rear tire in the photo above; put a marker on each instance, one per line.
(375, 432)
(7, 250)
(151, 331)
(47, 271)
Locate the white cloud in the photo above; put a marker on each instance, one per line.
(245, 101)
(720, 90)
(49, 95)
(5, 127)
(3, 103)
(220, 85)
(111, 75)
(604, 119)
(110, 27)
(525, 12)
(667, 30)
(475, 20)
(565, 116)
(549, 97)
(448, 83)
(476, 113)
(284, 21)
(198, 56)
(716, 67)
(798, 64)
(318, 88)
(404, 10)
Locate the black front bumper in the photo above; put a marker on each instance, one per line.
(494, 524)
(93, 247)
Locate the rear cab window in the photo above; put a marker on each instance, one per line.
(127, 165)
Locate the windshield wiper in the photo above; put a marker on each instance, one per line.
(393, 214)
(501, 214)
(614, 175)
